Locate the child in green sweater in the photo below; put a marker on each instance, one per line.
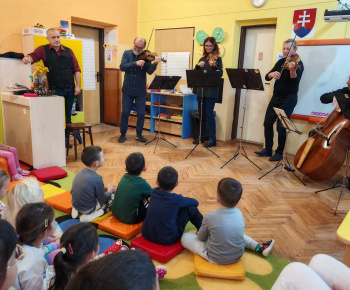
(131, 197)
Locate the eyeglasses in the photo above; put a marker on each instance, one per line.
(19, 255)
(211, 45)
(137, 47)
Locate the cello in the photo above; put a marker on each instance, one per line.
(322, 155)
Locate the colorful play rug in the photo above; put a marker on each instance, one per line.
(261, 273)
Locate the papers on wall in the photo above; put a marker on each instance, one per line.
(176, 65)
(88, 64)
(110, 37)
(108, 54)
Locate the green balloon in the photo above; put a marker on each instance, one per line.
(201, 36)
(218, 34)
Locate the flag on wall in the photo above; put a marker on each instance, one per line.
(304, 23)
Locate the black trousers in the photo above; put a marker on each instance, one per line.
(286, 103)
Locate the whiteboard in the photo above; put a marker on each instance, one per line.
(326, 69)
(14, 71)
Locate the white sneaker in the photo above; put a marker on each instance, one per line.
(74, 213)
(92, 216)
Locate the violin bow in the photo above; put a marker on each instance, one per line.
(150, 38)
(288, 54)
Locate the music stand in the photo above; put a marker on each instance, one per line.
(201, 79)
(290, 127)
(249, 79)
(159, 83)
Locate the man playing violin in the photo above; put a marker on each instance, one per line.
(340, 99)
(287, 73)
(134, 87)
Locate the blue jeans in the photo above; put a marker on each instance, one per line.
(140, 106)
(208, 115)
(68, 94)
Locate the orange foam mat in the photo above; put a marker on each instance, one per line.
(62, 202)
(113, 226)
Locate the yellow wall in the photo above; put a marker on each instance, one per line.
(16, 14)
(231, 15)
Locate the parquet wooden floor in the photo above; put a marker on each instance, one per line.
(277, 206)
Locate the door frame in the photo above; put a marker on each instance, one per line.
(240, 66)
(101, 57)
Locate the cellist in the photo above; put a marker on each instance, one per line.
(340, 99)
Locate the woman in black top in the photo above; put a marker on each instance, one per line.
(285, 96)
(210, 61)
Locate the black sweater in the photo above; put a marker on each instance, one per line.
(343, 98)
(286, 85)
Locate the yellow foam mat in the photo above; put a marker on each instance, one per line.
(203, 268)
(343, 231)
(51, 190)
(97, 220)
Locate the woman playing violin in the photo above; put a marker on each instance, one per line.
(287, 73)
(210, 61)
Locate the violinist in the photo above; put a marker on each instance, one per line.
(134, 87)
(287, 73)
(340, 99)
(210, 61)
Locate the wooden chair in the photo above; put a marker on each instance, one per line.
(75, 128)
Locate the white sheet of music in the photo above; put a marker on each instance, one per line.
(176, 65)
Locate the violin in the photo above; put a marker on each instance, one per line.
(295, 58)
(322, 155)
(146, 54)
(211, 58)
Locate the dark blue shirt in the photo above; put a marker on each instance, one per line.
(160, 224)
(135, 77)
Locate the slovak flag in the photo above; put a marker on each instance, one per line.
(304, 23)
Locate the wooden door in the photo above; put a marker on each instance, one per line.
(174, 40)
(91, 96)
(112, 96)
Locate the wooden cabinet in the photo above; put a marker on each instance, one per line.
(35, 126)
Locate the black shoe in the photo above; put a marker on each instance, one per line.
(210, 143)
(276, 157)
(69, 146)
(122, 138)
(140, 138)
(263, 153)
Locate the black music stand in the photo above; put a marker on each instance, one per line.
(249, 79)
(201, 79)
(162, 83)
(290, 127)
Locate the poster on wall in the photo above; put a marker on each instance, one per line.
(303, 25)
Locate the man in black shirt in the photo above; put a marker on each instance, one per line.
(340, 99)
(285, 96)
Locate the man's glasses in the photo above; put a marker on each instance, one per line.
(137, 47)
(19, 255)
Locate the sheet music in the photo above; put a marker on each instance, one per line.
(88, 64)
(176, 65)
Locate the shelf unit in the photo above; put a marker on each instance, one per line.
(175, 103)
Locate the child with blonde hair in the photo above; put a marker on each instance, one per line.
(26, 191)
(4, 183)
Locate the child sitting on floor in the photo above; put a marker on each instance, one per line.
(168, 213)
(131, 197)
(89, 195)
(34, 223)
(221, 239)
(10, 154)
(26, 191)
(132, 270)
(29, 191)
(4, 183)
